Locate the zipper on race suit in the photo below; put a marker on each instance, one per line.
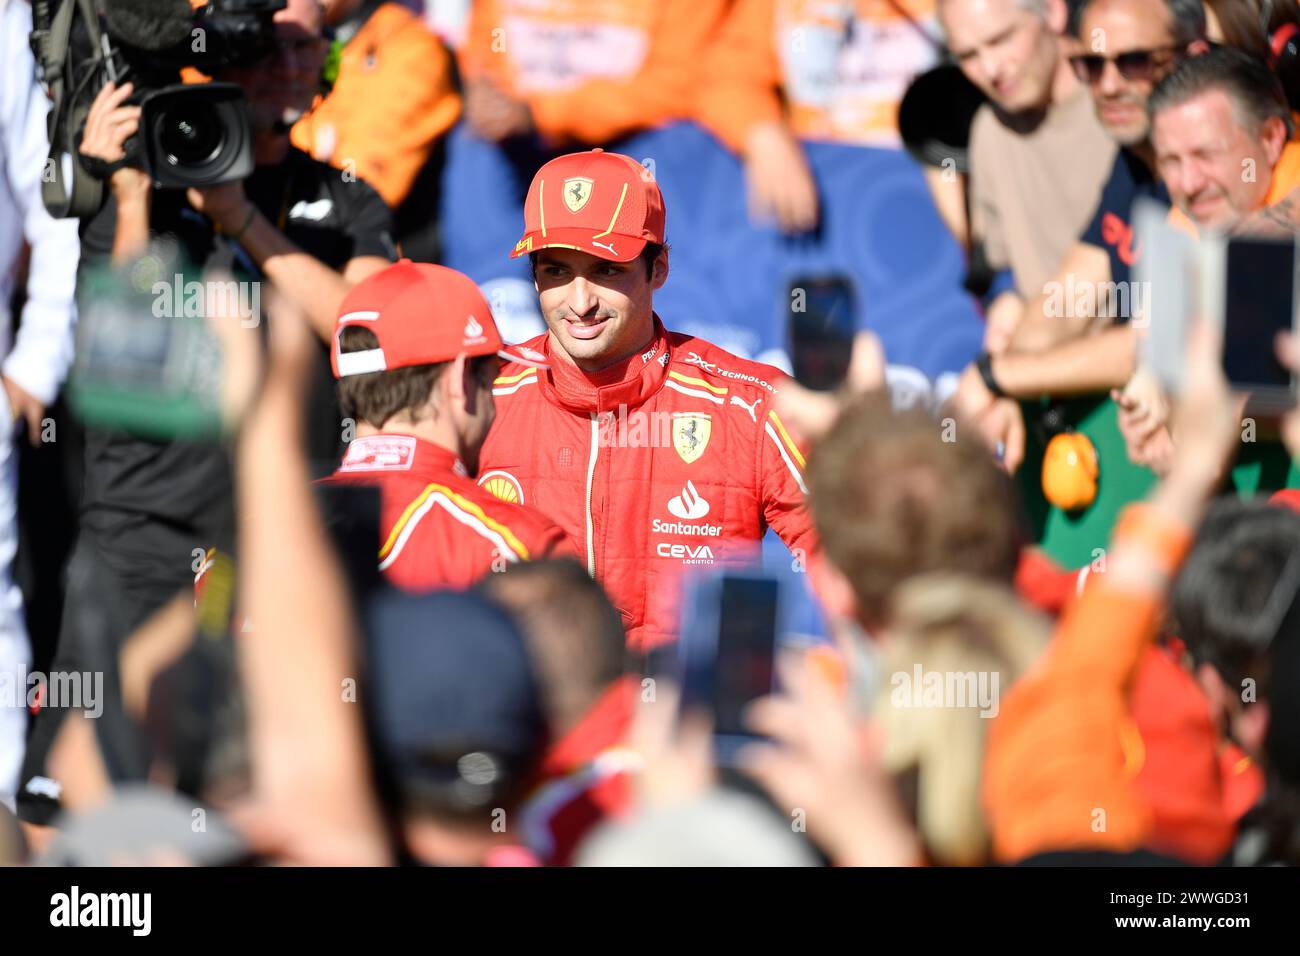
(591, 475)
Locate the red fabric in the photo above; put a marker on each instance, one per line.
(585, 778)
(1286, 498)
(598, 455)
(438, 528)
(1179, 775)
(1044, 584)
(394, 305)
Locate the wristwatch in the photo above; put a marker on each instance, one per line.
(985, 365)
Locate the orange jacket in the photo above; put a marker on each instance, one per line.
(840, 69)
(391, 101)
(1064, 751)
(592, 70)
(1196, 790)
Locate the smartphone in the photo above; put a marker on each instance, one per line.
(728, 651)
(1244, 286)
(822, 321)
(1258, 302)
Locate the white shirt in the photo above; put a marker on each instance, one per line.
(40, 358)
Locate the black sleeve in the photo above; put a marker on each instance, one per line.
(1092, 235)
(369, 221)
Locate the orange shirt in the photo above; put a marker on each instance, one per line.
(592, 70)
(392, 100)
(840, 68)
(1064, 752)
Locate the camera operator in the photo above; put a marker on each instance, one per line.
(151, 509)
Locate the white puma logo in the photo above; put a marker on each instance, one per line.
(747, 406)
(603, 246)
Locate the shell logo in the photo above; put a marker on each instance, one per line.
(503, 485)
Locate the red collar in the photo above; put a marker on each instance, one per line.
(629, 383)
(406, 454)
(604, 726)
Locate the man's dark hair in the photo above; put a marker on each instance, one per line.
(376, 397)
(893, 499)
(574, 633)
(1255, 92)
(1188, 17)
(648, 256)
(1219, 598)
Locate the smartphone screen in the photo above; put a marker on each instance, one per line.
(822, 323)
(1258, 303)
(746, 650)
(728, 645)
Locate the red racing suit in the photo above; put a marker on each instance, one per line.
(438, 528)
(670, 460)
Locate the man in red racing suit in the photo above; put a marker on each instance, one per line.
(656, 452)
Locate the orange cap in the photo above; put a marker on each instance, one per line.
(605, 204)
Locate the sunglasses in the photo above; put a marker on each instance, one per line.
(1135, 65)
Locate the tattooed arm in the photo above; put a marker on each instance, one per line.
(1281, 220)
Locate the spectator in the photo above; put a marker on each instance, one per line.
(392, 99)
(784, 70)
(1038, 155)
(1231, 99)
(36, 363)
(1217, 120)
(655, 451)
(895, 502)
(458, 725)
(1074, 705)
(577, 644)
(979, 633)
(582, 73)
(149, 505)
(1128, 48)
(1229, 96)
(419, 386)
(1224, 609)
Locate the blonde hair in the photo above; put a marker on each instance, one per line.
(954, 633)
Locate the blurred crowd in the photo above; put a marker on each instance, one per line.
(333, 574)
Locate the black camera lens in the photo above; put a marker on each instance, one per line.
(191, 136)
(197, 135)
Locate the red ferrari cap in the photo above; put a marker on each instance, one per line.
(422, 314)
(603, 203)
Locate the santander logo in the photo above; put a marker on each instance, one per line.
(688, 504)
(472, 328)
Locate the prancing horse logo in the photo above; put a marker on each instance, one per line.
(577, 190)
(691, 432)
